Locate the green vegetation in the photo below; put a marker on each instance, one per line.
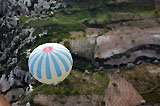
(78, 102)
(156, 12)
(128, 55)
(133, 41)
(78, 36)
(114, 84)
(67, 44)
(113, 53)
(143, 27)
(63, 102)
(129, 23)
(75, 91)
(135, 78)
(54, 99)
(57, 91)
(48, 91)
(41, 23)
(103, 103)
(22, 63)
(89, 97)
(66, 91)
(73, 85)
(102, 78)
(121, 37)
(83, 80)
(37, 32)
(83, 65)
(24, 18)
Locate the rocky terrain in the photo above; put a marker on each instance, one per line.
(115, 45)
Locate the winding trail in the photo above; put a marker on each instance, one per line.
(123, 95)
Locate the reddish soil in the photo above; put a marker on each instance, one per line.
(3, 102)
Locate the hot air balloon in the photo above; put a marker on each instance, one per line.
(50, 63)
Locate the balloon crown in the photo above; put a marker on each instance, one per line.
(47, 49)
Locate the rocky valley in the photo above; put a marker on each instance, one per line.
(115, 45)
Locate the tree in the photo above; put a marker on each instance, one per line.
(114, 84)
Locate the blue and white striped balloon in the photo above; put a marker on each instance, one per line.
(50, 63)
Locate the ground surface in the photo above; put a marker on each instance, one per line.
(67, 100)
(3, 102)
(123, 95)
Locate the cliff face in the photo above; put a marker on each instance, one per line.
(28, 7)
(4, 7)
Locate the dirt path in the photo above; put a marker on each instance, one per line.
(3, 102)
(123, 95)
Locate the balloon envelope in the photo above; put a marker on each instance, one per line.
(50, 63)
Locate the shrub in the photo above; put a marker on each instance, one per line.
(114, 84)
(84, 35)
(57, 91)
(121, 22)
(62, 102)
(89, 97)
(47, 90)
(121, 37)
(101, 73)
(133, 41)
(78, 36)
(135, 78)
(54, 99)
(129, 23)
(78, 102)
(83, 80)
(156, 12)
(106, 29)
(67, 44)
(75, 91)
(128, 55)
(103, 103)
(99, 33)
(66, 91)
(89, 67)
